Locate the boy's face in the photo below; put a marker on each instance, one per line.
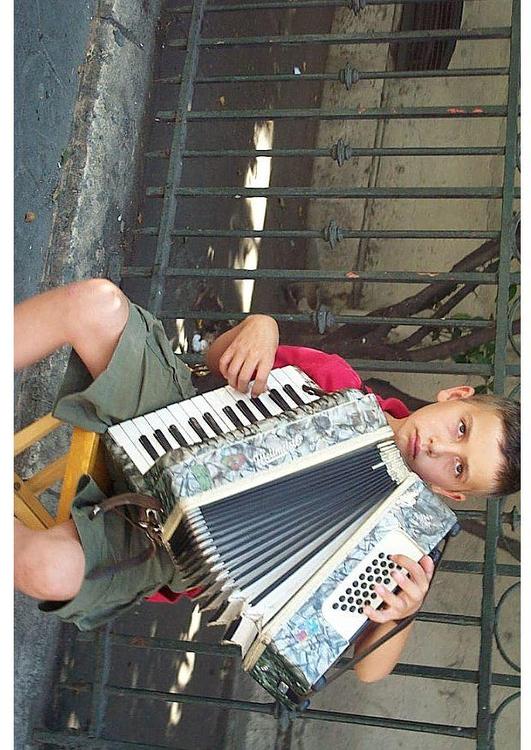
(452, 444)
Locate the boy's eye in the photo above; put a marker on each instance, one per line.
(462, 428)
(458, 468)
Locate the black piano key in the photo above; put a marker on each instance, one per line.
(246, 411)
(279, 401)
(233, 627)
(211, 422)
(292, 393)
(177, 435)
(146, 445)
(194, 424)
(313, 390)
(161, 437)
(217, 613)
(232, 416)
(255, 400)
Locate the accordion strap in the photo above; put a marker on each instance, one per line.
(148, 524)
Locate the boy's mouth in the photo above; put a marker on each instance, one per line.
(414, 444)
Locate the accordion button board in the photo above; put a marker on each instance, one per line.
(343, 609)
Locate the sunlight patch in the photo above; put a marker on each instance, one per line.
(258, 176)
(185, 668)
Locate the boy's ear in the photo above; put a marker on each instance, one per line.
(458, 391)
(451, 494)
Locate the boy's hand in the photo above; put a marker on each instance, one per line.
(253, 349)
(413, 590)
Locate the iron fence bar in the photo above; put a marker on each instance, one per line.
(481, 515)
(444, 618)
(485, 718)
(232, 651)
(77, 739)
(383, 234)
(488, 608)
(98, 706)
(384, 365)
(485, 193)
(274, 274)
(372, 37)
(423, 671)
(175, 164)
(461, 566)
(328, 152)
(468, 676)
(509, 193)
(312, 714)
(361, 75)
(281, 4)
(451, 111)
(446, 368)
(353, 319)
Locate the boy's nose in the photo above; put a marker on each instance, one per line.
(437, 447)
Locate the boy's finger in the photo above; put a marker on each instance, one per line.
(373, 614)
(260, 381)
(224, 362)
(428, 566)
(233, 370)
(414, 569)
(413, 590)
(392, 600)
(246, 373)
(377, 615)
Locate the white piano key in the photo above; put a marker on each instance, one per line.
(133, 432)
(232, 396)
(218, 400)
(268, 402)
(276, 394)
(204, 407)
(246, 398)
(170, 421)
(182, 425)
(146, 429)
(278, 382)
(137, 457)
(191, 408)
(157, 424)
(293, 376)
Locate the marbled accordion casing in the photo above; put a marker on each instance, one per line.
(289, 649)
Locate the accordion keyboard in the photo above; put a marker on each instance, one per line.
(343, 609)
(217, 412)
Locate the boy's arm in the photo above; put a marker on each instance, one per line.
(399, 606)
(247, 348)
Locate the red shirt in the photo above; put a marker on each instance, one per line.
(331, 373)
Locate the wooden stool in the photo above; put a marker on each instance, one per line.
(85, 456)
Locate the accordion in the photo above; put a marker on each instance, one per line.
(285, 521)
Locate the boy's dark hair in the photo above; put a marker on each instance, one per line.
(508, 476)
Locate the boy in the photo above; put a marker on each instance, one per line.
(123, 365)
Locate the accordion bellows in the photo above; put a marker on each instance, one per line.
(271, 519)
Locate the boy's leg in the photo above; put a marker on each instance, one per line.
(49, 564)
(88, 315)
(123, 365)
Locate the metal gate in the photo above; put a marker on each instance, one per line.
(264, 124)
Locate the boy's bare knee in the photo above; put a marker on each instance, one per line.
(98, 302)
(51, 566)
(98, 314)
